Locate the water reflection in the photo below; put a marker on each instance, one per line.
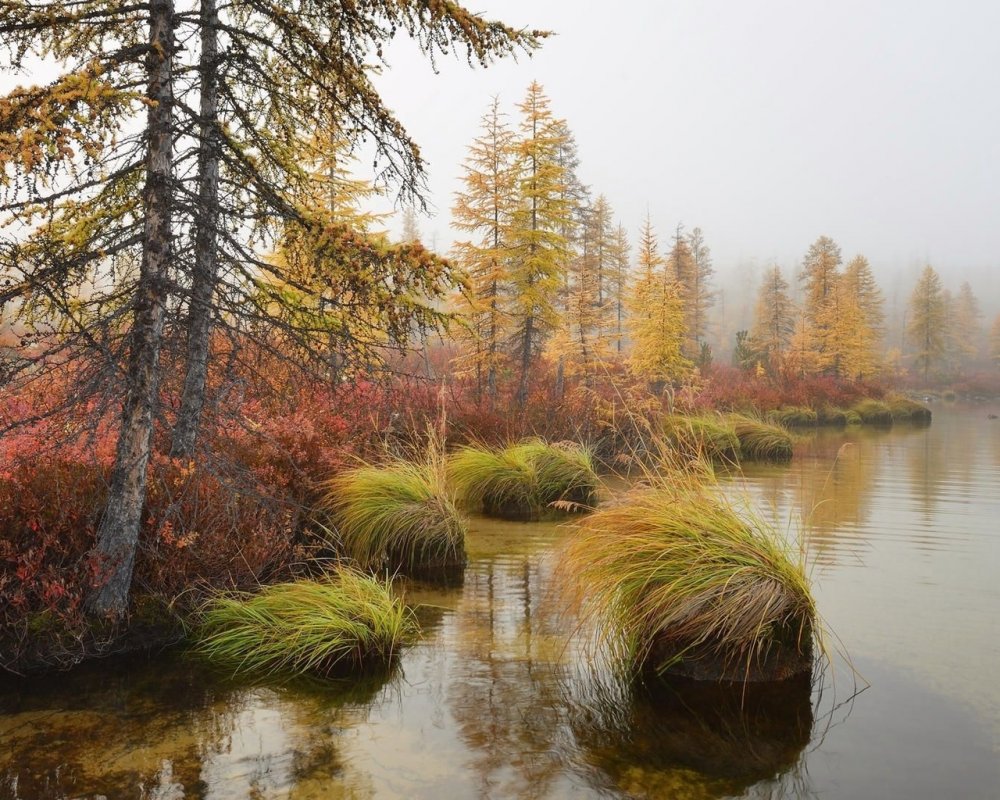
(500, 699)
(680, 737)
(171, 729)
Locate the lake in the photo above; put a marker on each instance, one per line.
(503, 697)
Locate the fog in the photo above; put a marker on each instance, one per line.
(767, 124)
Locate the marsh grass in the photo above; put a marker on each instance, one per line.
(761, 440)
(832, 417)
(873, 412)
(794, 417)
(905, 410)
(346, 623)
(400, 515)
(525, 480)
(679, 580)
(708, 436)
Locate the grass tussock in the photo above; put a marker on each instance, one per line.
(873, 412)
(678, 581)
(760, 440)
(347, 623)
(704, 436)
(400, 515)
(903, 409)
(794, 417)
(831, 417)
(525, 480)
(853, 417)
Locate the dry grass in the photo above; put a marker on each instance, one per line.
(760, 440)
(672, 573)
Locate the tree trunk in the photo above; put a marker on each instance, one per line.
(118, 532)
(205, 259)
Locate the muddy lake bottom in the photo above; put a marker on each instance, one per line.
(502, 698)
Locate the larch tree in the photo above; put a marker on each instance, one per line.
(995, 341)
(656, 318)
(539, 250)
(680, 267)
(774, 317)
(484, 209)
(167, 187)
(620, 280)
(699, 295)
(818, 277)
(965, 325)
(865, 318)
(927, 321)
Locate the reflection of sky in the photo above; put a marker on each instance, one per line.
(907, 548)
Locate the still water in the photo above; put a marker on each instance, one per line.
(500, 700)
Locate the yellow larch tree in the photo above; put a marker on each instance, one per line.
(538, 246)
(484, 209)
(620, 281)
(927, 321)
(820, 271)
(774, 317)
(965, 325)
(698, 293)
(656, 318)
(995, 341)
(861, 325)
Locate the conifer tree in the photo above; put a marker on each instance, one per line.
(995, 341)
(539, 250)
(928, 319)
(484, 209)
(819, 275)
(620, 281)
(656, 318)
(111, 178)
(774, 319)
(699, 295)
(965, 326)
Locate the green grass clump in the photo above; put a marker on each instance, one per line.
(679, 581)
(345, 624)
(705, 436)
(873, 412)
(853, 417)
(834, 417)
(905, 410)
(794, 417)
(400, 516)
(524, 480)
(760, 440)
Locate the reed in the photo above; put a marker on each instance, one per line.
(525, 480)
(760, 440)
(679, 582)
(398, 516)
(346, 623)
(702, 436)
(794, 417)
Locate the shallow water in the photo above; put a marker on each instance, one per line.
(499, 700)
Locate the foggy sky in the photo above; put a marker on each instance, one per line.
(767, 123)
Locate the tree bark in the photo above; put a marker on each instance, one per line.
(205, 259)
(118, 533)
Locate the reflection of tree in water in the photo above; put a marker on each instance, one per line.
(506, 699)
(693, 739)
(167, 728)
(942, 459)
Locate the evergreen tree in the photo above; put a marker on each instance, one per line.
(698, 293)
(819, 275)
(995, 341)
(620, 280)
(927, 323)
(484, 209)
(539, 249)
(774, 319)
(656, 318)
(965, 326)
